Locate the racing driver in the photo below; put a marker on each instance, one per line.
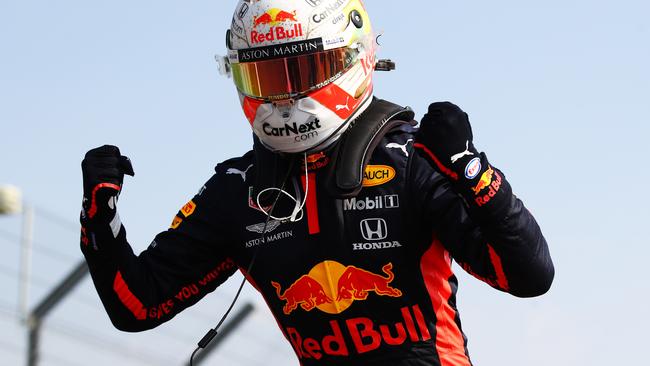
(345, 216)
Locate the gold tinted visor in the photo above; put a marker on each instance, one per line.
(292, 76)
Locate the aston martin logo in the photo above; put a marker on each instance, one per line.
(258, 228)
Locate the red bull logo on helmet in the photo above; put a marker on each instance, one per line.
(332, 287)
(273, 18)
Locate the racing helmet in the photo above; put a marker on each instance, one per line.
(303, 69)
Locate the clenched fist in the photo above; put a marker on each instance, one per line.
(103, 171)
(445, 139)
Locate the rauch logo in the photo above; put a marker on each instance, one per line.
(376, 175)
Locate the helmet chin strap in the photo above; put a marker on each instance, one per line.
(298, 212)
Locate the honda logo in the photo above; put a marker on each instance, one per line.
(374, 229)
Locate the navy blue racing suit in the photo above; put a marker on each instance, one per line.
(359, 281)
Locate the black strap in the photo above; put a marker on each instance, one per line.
(345, 175)
(350, 155)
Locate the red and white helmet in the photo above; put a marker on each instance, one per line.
(303, 69)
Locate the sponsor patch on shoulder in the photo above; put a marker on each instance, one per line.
(188, 209)
(176, 222)
(473, 168)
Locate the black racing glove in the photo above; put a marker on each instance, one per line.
(445, 140)
(103, 171)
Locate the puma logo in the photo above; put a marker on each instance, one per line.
(394, 145)
(456, 157)
(237, 171)
(343, 106)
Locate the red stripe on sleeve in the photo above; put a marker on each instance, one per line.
(128, 298)
(446, 171)
(502, 280)
(436, 270)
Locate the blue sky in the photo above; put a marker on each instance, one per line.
(558, 93)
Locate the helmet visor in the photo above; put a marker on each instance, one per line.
(292, 76)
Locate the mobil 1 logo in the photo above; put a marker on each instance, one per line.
(371, 203)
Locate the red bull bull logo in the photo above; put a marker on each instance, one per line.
(484, 182)
(265, 18)
(317, 161)
(272, 18)
(306, 292)
(315, 157)
(332, 287)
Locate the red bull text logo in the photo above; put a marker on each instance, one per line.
(494, 186)
(365, 333)
(272, 18)
(332, 287)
